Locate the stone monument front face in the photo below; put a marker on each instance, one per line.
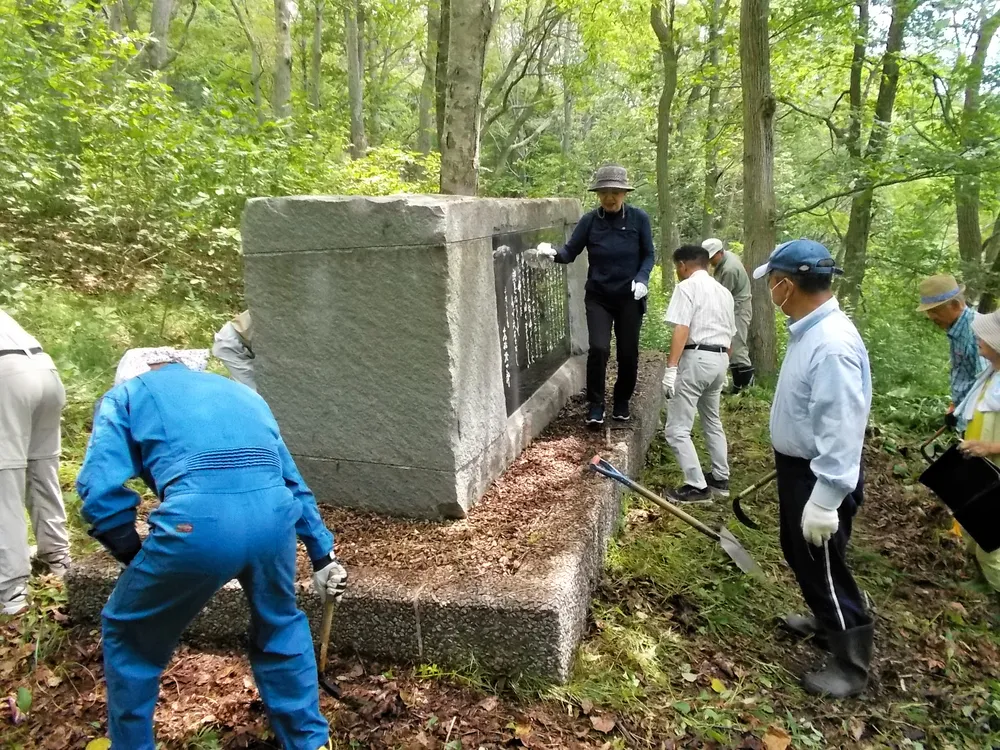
(407, 347)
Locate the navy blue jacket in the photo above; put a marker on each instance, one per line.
(619, 248)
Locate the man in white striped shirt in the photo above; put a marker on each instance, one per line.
(702, 313)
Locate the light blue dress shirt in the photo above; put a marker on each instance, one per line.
(822, 401)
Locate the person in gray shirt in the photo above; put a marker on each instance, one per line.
(729, 272)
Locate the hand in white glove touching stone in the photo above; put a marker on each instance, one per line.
(330, 581)
(669, 381)
(639, 290)
(818, 523)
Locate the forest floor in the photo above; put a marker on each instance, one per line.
(681, 650)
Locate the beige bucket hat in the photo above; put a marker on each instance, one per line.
(987, 327)
(938, 290)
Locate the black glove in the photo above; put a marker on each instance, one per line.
(951, 420)
(122, 542)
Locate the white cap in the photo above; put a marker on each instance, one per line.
(139, 361)
(713, 245)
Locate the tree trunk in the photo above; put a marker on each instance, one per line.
(156, 53)
(315, 80)
(303, 57)
(663, 26)
(709, 210)
(355, 83)
(255, 68)
(115, 17)
(856, 92)
(282, 95)
(991, 249)
(469, 32)
(859, 226)
(967, 186)
(256, 71)
(758, 173)
(425, 132)
(441, 67)
(567, 96)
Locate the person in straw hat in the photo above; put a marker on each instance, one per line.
(232, 503)
(978, 418)
(619, 243)
(942, 299)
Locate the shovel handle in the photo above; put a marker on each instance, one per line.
(604, 468)
(324, 645)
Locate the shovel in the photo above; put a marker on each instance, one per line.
(330, 688)
(730, 545)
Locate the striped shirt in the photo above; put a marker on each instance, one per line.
(966, 364)
(706, 307)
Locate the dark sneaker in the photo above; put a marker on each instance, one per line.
(718, 487)
(595, 415)
(688, 494)
(621, 413)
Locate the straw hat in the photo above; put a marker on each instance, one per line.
(610, 177)
(987, 327)
(938, 290)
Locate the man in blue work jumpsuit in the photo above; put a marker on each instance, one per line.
(232, 505)
(818, 422)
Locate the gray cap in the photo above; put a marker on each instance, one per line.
(610, 177)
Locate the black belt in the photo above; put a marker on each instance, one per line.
(708, 348)
(35, 350)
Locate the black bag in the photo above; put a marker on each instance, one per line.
(970, 487)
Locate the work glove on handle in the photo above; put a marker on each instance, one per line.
(669, 381)
(951, 418)
(819, 524)
(330, 578)
(639, 290)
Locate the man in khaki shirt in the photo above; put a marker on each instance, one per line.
(233, 346)
(729, 272)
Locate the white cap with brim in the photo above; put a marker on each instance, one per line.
(713, 245)
(797, 257)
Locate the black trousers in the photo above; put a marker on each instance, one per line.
(624, 314)
(826, 582)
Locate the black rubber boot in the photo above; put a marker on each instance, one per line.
(846, 673)
(742, 377)
(805, 626)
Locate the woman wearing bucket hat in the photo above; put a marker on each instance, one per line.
(942, 300)
(979, 418)
(619, 243)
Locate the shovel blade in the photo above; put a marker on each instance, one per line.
(738, 555)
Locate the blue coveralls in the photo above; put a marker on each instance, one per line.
(232, 505)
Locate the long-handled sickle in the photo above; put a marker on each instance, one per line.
(742, 517)
(730, 545)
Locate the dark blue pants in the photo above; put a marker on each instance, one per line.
(213, 526)
(822, 572)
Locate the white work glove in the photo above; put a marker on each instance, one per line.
(818, 523)
(639, 290)
(669, 381)
(546, 250)
(330, 581)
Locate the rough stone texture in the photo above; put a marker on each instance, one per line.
(524, 624)
(377, 345)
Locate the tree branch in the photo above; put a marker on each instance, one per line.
(184, 34)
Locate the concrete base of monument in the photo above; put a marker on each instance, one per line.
(506, 589)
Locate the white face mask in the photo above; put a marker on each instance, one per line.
(780, 305)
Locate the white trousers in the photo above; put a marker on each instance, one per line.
(31, 402)
(701, 377)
